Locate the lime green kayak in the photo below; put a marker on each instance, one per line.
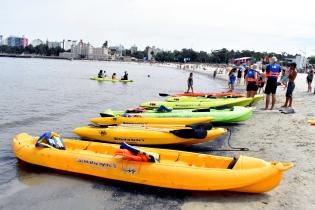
(230, 115)
(228, 102)
(204, 99)
(109, 79)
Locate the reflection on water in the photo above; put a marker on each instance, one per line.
(55, 95)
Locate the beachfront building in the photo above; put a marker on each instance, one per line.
(238, 61)
(86, 51)
(15, 41)
(67, 44)
(301, 61)
(152, 51)
(36, 42)
(1, 39)
(53, 44)
(133, 49)
(117, 50)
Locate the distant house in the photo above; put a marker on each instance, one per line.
(238, 61)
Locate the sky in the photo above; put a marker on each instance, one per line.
(269, 25)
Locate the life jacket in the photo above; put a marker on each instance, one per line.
(251, 76)
(132, 153)
(50, 140)
(273, 70)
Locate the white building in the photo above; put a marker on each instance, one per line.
(86, 51)
(53, 44)
(36, 42)
(301, 61)
(1, 39)
(152, 51)
(67, 44)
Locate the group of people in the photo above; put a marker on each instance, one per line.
(255, 80)
(102, 74)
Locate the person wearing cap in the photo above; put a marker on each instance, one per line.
(291, 85)
(272, 73)
(125, 77)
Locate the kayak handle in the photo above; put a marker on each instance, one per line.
(283, 166)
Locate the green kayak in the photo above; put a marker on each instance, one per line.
(204, 99)
(228, 102)
(109, 79)
(230, 115)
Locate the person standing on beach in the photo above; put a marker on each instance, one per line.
(252, 81)
(232, 79)
(215, 73)
(272, 73)
(261, 80)
(190, 83)
(239, 75)
(245, 73)
(309, 79)
(291, 85)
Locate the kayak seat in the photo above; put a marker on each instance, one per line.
(201, 110)
(163, 109)
(205, 126)
(50, 140)
(232, 163)
(190, 133)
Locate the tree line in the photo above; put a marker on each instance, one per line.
(41, 49)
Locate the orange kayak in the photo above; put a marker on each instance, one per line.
(211, 94)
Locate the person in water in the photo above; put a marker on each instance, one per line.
(114, 76)
(252, 81)
(190, 83)
(125, 77)
(291, 85)
(232, 79)
(272, 73)
(100, 74)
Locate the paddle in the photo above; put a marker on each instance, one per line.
(198, 133)
(164, 94)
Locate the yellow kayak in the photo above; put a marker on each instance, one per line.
(139, 120)
(149, 135)
(312, 122)
(174, 169)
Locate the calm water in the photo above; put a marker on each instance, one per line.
(54, 95)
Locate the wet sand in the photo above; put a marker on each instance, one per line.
(269, 135)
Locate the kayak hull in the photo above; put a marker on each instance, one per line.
(176, 169)
(109, 79)
(143, 135)
(118, 120)
(237, 114)
(230, 102)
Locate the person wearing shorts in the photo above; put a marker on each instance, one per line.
(252, 81)
(190, 83)
(272, 73)
(309, 79)
(291, 85)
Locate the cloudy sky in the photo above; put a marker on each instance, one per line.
(269, 25)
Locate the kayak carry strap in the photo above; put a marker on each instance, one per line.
(232, 163)
(50, 140)
(132, 153)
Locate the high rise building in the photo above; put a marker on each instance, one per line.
(15, 41)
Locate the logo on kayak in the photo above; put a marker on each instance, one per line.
(96, 163)
(129, 170)
(152, 104)
(128, 139)
(103, 133)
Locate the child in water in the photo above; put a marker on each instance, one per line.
(232, 79)
(190, 83)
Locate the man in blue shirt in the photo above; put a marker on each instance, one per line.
(272, 73)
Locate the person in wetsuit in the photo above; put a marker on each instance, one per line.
(100, 74)
(272, 72)
(190, 83)
(125, 77)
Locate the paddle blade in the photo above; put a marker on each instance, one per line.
(164, 94)
(190, 133)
